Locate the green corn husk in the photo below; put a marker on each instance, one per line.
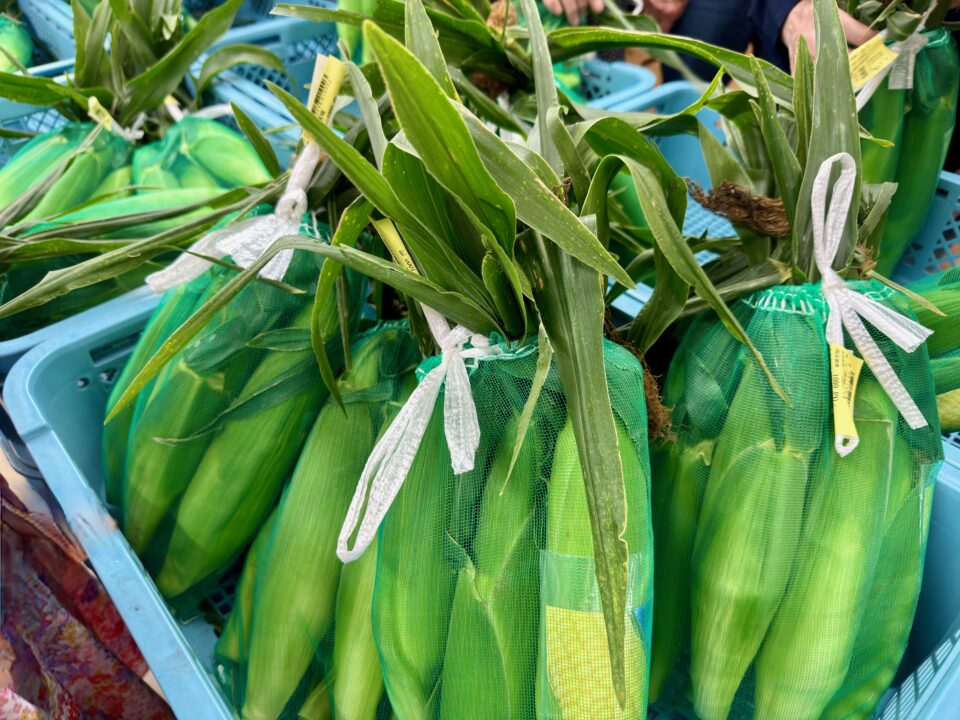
(809, 647)
(15, 41)
(242, 472)
(89, 168)
(574, 664)
(115, 184)
(357, 682)
(164, 449)
(488, 670)
(414, 590)
(943, 291)
(749, 527)
(297, 587)
(39, 158)
(175, 307)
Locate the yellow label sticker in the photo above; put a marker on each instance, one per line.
(869, 60)
(328, 74)
(98, 113)
(393, 241)
(844, 374)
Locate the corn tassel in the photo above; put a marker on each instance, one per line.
(489, 667)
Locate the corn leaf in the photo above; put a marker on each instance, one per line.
(569, 296)
(421, 40)
(258, 141)
(570, 42)
(368, 111)
(229, 56)
(538, 207)
(834, 128)
(148, 89)
(434, 127)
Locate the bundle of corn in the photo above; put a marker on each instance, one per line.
(798, 539)
(197, 463)
(943, 292)
(16, 45)
(913, 105)
(306, 620)
(72, 196)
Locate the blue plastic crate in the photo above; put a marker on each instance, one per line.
(51, 24)
(22, 117)
(937, 245)
(297, 43)
(56, 396)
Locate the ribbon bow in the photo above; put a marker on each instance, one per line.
(846, 306)
(248, 240)
(391, 459)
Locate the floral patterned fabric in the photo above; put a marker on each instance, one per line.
(65, 653)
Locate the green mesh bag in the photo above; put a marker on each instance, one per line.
(943, 290)
(300, 634)
(198, 153)
(485, 602)
(787, 574)
(920, 123)
(214, 438)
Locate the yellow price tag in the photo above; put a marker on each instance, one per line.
(328, 74)
(869, 60)
(393, 241)
(98, 113)
(844, 374)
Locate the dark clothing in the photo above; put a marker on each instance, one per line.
(734, 24)
(767, 17)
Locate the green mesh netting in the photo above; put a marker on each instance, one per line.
(299, 642)
(787, 576)
(943, 290)
(920, 124)
(213, 439)
(198, 153)
(486, 603)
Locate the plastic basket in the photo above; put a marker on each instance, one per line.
(51, 24)
(606, 85)
(56, 395)
(937, 245)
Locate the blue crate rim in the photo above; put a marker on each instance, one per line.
(188, 687)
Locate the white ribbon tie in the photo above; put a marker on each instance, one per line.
(391, 459)
(846, 307)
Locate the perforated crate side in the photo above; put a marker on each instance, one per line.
(937, 245)
(51, 23)
(20, 117)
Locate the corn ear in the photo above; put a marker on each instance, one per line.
(414, 593)
(810, 645)
(296, 590)
(574, 678)
(749, 529)
(489, 666)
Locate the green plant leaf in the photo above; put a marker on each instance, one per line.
(38, 90)
(570, 42)
(435, 128)
(368, 111)
(834, 128)
(483, 106)
(544, 85)
(569, 296)
(538, 207)
(664, 306)
(149, 89)
(229, 56)
(421, 40)
(260, 144)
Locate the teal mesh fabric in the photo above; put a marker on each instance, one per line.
(787, 575)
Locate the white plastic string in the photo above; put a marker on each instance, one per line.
(391, 459)
(246, 241)
(846, 306)
(900, 70)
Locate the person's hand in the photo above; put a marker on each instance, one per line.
(665, 12)
(800, 22)
(573, 9)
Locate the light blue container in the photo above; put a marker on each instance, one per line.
(607, 86)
